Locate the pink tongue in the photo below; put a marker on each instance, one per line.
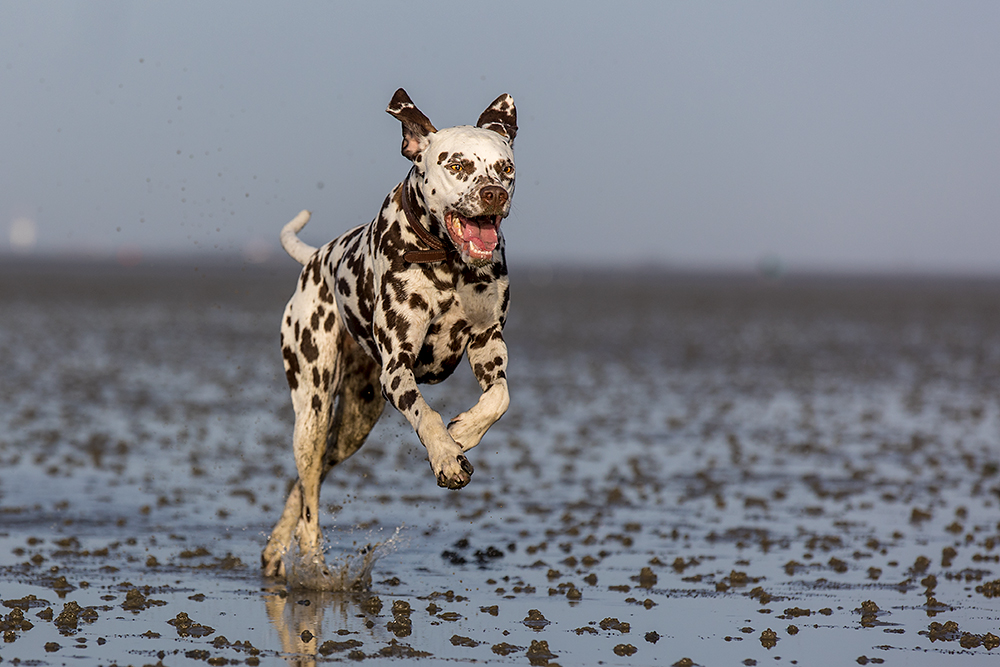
(484, 235)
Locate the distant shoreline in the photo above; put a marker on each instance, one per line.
(534, 273)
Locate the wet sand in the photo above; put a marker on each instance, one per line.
(695, 470)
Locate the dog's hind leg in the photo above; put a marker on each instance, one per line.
(281, 534)
(359, 403)
(358, 407)
(309, 334)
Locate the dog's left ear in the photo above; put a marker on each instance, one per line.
(501, 117)
(416, 126)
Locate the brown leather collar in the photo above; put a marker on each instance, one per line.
(438, 250)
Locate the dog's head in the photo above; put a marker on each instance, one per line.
(466, 174)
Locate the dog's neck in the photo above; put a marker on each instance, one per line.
(438, 251)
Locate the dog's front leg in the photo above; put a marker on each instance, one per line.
(452, 469)
(488, 357)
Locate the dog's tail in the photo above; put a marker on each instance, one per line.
(299, 250)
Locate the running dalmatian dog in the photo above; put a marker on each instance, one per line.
(398, 302)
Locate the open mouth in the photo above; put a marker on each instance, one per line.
(475, 237)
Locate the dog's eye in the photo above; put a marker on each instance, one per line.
(455, 167)
(508, 170)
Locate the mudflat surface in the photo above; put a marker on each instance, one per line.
(694, 470)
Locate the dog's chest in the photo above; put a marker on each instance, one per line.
(456, 318)
(455, 307)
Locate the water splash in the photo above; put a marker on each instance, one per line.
(347, 572)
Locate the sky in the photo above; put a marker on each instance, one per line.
(843, 136)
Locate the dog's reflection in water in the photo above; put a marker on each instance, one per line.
(299, 617)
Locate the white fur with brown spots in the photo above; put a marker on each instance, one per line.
(398, 302)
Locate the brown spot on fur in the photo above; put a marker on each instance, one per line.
(398, 288)
(324, 294)
(426, 355)
(483, 339)
(417, 302)
(291, 367)
(407, 400)
(344, 287)
(397, 324)
(308, 347)
(354, 325)
(459, 331)
(384, 342)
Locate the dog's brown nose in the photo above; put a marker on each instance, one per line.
(493, 196)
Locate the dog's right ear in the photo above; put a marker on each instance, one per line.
(416, 126)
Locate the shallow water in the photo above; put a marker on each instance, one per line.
(714, 468)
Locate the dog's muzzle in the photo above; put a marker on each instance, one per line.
(477, 236)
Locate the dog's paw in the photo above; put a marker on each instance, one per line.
(455, 474)
(272, 564)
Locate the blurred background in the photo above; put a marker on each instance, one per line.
(847, 137)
